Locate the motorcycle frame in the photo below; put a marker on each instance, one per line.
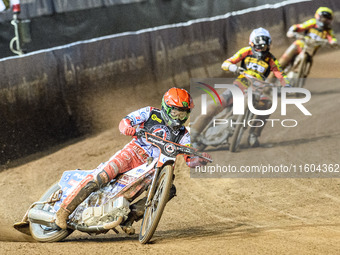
(304, 60)
(247, 115)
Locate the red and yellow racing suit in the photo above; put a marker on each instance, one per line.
(311, 30)
(255, 67)
(259, 68)
(134, 154)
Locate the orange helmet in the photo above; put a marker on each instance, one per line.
(324, 17)
(176, 106)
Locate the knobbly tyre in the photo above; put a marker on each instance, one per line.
(221, 134)
(108, 207)
(298, 70)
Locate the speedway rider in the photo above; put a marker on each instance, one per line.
(167, 123)
(256, 60)
(315, 28)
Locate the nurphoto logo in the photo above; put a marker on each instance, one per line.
(239, 99)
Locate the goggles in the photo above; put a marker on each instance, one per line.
(261, 47)
(325, 20)
(179, 114)
(326, 15)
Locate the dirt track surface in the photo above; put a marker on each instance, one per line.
(215, 216)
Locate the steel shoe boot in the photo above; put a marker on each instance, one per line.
(136, 213)
(71, 202)
(253, 141)
(128, 229)
(61, 218)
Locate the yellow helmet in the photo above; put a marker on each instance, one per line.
(324, 17)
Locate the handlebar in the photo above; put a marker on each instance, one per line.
(311, 41)
(142, 133)
(201, 156)
(257, 83)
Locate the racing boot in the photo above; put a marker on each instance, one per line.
(90, 184)
(256, 130)
(253, 140)
(137, 212)
(173, 192)
(259, 121)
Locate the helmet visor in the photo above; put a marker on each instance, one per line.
(326, 15)
(261, 47)
(179, 114)
(325, 20)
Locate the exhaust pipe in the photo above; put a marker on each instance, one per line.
(48, 219)
(41, 217)
(96, 229)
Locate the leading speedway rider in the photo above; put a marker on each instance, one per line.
(167, 123)
(256, 60)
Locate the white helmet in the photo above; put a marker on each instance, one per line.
(260, 41)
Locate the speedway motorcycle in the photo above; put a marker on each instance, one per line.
(298, 70)
(108, 207)
(229, 132)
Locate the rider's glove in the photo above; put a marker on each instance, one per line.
(235, 69)
(334, 44)
(197, 161)
(130, 131)
(203, 161)
(287, 85)
(291, 31)
(290, 34)
(126, 128)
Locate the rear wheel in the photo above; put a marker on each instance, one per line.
(154, 211)
(43, 233)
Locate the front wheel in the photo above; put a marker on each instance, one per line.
(303, 71)
(237, 135)
(154, 211)
(43, 233)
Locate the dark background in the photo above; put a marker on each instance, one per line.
(58, 22)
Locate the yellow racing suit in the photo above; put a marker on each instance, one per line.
(256, 67)
(310, 30)
(253, 66)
